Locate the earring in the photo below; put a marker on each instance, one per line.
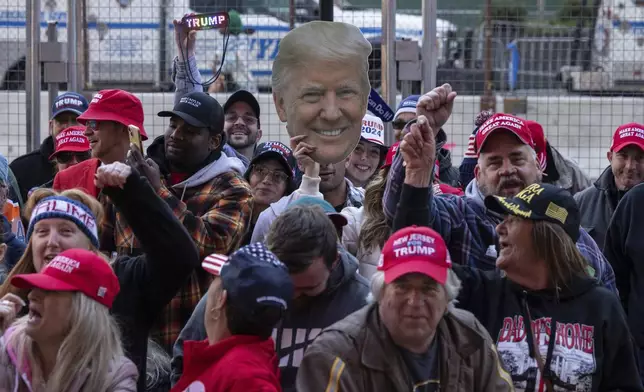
(216, 314)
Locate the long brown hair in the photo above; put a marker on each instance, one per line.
(374, 231)
(563, 260)
(26, 263)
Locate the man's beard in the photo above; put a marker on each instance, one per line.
(250, 138)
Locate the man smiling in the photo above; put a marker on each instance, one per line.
(598, 202)
(242, 126)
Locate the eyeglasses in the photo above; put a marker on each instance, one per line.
(248, 120)
(67, 156)
(275, 176)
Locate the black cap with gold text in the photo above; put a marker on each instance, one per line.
(541, 202)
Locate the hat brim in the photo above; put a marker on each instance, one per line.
(509, 206)
(69, 149)
(184, 116)
(434, 271)
(273, 155)
(41, 281)
(67, 110)
(490, 133)
(621, 146)
(338, 219)
(243, 96)
(89, 115)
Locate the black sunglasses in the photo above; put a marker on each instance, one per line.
(68, 156)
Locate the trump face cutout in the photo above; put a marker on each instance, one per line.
(321, 86)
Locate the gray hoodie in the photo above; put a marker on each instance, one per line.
(346, 293)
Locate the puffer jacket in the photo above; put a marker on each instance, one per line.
(357, 354)
(13, 378)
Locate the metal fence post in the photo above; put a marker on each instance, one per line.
(326, 10)
(33, 75)
(430, 48)
(52, 36)
(388, 62)
(74, 21)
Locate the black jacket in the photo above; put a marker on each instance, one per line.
(33, 169)
(148, 282)
(624, 249)
(597, 204)
(581, 329)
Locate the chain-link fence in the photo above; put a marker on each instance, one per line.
(573, 65)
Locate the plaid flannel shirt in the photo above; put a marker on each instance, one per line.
(469, 230)
(216, 214)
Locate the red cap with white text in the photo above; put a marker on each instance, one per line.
(115, 105)
(75, 270)
(391, 153)
(415, 249)
(626, 135)
(508, 122)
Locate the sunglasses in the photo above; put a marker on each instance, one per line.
(398, 125)
(67, 156)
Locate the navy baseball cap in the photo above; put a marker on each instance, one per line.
(253, 277)
(541, 202)
(407, 105)
(276, 150)
(246, 97)
(199, 110)
(338, 219)
(69, 102)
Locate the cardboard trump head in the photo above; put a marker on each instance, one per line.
(321, 86)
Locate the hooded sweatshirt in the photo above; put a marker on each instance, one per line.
(597, 204)
(249, 364)
(469, 229)
(214, 204)
(624, 249)
(579, 327)
(346, 292)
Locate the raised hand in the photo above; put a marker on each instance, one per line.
(437, 106)
(302, 152)
(184, 39)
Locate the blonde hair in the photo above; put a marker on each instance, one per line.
(26, 263)
(375, 230)
(319, 41)
(93, 342)
(559, 251)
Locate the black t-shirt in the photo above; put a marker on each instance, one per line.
(424, 368)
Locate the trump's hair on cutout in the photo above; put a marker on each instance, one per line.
(320, 41)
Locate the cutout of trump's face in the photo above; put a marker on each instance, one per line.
(321, 86)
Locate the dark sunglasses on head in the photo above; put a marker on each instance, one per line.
(68, 156)
(398, 124)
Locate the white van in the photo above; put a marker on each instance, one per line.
(130, 42)
(617, 56)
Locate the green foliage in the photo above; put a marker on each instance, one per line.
(573, 10)
(509, 10)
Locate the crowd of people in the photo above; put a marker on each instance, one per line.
(217, 260)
